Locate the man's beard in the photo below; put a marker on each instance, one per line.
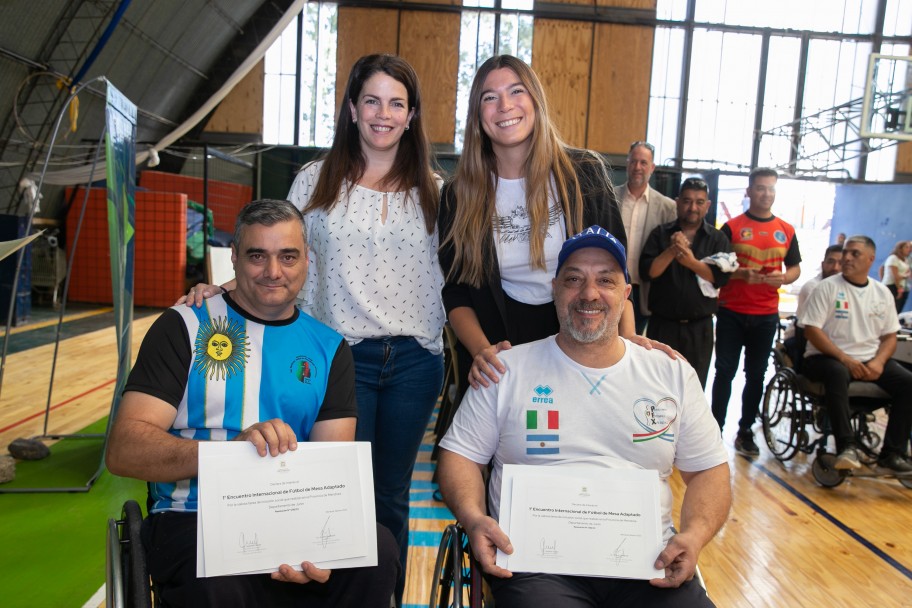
(591, 332)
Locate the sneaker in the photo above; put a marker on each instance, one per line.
(744, 445)
(847, 459)
(895, 463)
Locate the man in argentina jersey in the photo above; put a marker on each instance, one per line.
(587, 396)
(248, 366)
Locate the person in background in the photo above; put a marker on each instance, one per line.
(675, 258)
(518, 193)
(642, 209)
(749, 305)
(371, 210)
(851, 325)
(896, 273)
(831, 264)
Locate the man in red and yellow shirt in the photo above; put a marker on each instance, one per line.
(749, 304)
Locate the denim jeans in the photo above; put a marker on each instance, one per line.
(755, 334)
(397, 383)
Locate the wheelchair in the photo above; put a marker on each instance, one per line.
(795, 419)
(126, 576)
(457, 581)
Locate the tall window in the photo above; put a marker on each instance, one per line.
(310, 88)
(484, 33)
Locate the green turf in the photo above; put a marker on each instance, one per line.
(53, 545)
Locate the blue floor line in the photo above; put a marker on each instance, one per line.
(425, 466)
(424, 538)
(431, 513)
(425, 447)
(852, 533)
(422, 484)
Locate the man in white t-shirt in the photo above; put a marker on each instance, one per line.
(831, 264)
(850, 323)
(587, 396)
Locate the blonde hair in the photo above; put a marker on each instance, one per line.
(475, 182)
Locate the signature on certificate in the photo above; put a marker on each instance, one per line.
(326, 534)
(548, 548)
(620, 555)
(249, 544)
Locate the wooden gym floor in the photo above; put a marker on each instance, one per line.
(788, 542)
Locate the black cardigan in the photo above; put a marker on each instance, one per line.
(600, 206)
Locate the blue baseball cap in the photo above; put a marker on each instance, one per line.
(594, 236)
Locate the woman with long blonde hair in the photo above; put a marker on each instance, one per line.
(518, 193)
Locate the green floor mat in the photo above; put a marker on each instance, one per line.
(53, 545)
(73, 461)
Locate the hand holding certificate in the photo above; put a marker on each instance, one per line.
(581, 521)
(314, 503)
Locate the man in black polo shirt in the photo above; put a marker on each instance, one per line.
(671, 258)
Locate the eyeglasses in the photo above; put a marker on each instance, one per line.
(694, 183)
(645, 144)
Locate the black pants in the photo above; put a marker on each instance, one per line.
(170, 542)
(899, 300)
(527, 590)
(694, 340)
(895, 379)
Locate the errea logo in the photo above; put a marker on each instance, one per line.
(543, 394)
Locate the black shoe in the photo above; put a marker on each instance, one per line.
(895, 463)
(744, 445)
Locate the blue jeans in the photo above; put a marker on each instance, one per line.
(755, 334)
(397, 383)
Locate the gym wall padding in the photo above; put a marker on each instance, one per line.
(882, 212)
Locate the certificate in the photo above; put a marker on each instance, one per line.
(255, 513)
(581, 521)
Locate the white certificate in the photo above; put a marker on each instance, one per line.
(581, 521)
(255, 513)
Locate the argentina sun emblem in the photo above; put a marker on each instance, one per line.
(220, 348)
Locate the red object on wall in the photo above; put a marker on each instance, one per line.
(225, 198)
(160, 253)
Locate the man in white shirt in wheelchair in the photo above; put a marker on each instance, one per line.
(597, 380)
(850, 324)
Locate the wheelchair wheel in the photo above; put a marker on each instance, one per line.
(783, 426)
(457, 579)
(825, 472)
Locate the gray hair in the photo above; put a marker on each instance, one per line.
(864, 240)
(267, 212)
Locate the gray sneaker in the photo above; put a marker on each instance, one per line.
(847, 459)
(744, 445)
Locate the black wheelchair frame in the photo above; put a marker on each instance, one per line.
(793, 407)
(126, 575)
(457, 581)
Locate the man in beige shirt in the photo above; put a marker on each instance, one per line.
(642, 209)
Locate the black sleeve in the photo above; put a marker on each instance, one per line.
(651, 250)
(793, 255)
(339, 400)
(454, 294)
(163, 362)
(727, 231)
(600, 204)
(721, 244)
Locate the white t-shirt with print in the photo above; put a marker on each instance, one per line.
(369, 278)
(511, 237)
(646, 411)
(854, 318)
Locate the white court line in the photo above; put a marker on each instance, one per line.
(96, 600)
